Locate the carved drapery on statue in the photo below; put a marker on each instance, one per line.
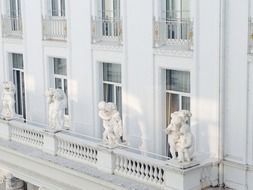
(8, 101)
(112, 123)
(180, 138)
(56, 99)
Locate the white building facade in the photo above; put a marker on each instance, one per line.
(149, 57)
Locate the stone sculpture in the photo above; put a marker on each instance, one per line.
(112, 123)
(8, 101)
(56, 108)
(180, 138)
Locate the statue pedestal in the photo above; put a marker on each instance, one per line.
(5, 129)
(181, 165)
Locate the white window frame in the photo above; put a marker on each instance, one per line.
(115, 85)
(14, 79)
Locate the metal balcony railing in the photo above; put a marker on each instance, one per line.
(174, 33)
(12, 26)
(250, 38)
(54, 28)
(106, 29)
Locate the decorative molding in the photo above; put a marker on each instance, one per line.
(173, 52)
(107, 47)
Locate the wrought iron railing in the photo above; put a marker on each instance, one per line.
(177, 33)
(54, 28)
(12, 26)
(106, 29)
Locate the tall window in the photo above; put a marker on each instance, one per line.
(18, 80)
(177, 91)
(112, 84)
(14, 11)
(110, 17)
(177, 14)
(60, 80)
(56, 8)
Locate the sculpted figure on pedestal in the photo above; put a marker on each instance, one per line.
(111, 122)
(180, 138)
(56, 108)
(8, 102)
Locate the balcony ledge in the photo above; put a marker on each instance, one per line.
(90, 162)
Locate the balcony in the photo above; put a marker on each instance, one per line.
(176, 34)
(250, 38)
(54, 28)
(106, 30)
(121, 166)
(12, 27)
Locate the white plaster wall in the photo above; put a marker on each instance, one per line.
(33, 61)
(140, 69)
(236, 67)
(206, 69)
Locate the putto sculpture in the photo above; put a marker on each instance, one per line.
(112, 123)
(180, 138)
(56, 99)
(8, 101)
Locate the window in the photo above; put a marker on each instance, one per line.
(60, 77)
(57, 8)
(18, 80)
(112, 84)
(177, 14)
(177, 91)
(14, 8)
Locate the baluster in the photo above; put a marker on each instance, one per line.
(138, 170)
(147, 167)
(151, 172)
(121, 164)
(129, 167)
(134, 168)
(125, 165)
(142, 171)
(160, 176)
(155, 175)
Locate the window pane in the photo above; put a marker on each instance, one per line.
(172, 105)
(62, 7)
(185, 103)
(108, 93)
(17, 61)
(54, 5)
(112, 72)
(58, 83)
(178, 81)
(119, 99)
(60, 66)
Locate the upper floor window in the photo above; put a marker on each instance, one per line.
(11, 20)
(110, 9)
(177, 9)
(56, 8)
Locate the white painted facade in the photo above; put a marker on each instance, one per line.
(220, 69)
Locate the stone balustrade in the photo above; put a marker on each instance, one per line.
(155, 171)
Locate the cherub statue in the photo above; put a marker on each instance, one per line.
(111, 122)
(56, 110)
(180, 137)
(185, 146)
(8, 101)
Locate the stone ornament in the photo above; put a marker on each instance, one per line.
(56, 99)
(180, 137)
(112, 123)
(8, 101)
